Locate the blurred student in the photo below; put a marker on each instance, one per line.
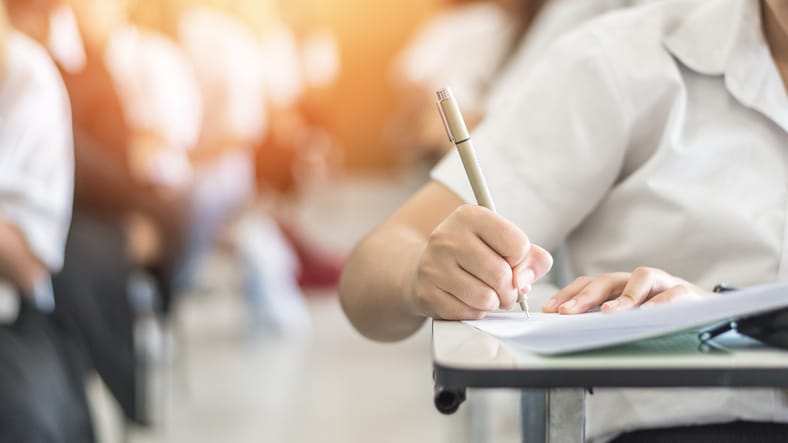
(226, 60)
(301, 64)
(465, 46)
(230, 67)
(134, 119)
(640, 116)
(43, 398)
(157, 107)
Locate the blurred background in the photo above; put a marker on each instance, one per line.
(228, 154)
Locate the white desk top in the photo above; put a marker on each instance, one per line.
(465, 356)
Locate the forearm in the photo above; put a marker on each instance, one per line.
(377, 282)
(18, 265)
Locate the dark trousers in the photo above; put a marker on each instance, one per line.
(42, 391)
(734, 432)
(92, 305)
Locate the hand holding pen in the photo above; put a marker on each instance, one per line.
(459, 135)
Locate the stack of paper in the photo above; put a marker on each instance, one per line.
(557, 334)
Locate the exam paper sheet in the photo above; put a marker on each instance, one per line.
(557, 334)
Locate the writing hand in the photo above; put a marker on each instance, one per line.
(466, 266)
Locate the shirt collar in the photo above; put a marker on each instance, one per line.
(725, 38)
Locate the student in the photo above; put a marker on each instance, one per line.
(42, 396)
(652, 139)
(129, 139)
(466, 45)
(230, 66)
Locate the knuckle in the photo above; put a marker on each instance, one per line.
(507, 298)
(584, 279)
(501, 276)
(577, 283)
(606, 278)
(439, 239)
(584, 297)
(466, 211)
(487, 299)
(518, 238)
(643, 271)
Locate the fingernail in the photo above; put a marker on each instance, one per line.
(525, 289)
(526, 277)
(611, 303)
(550, 303)
(569, 305)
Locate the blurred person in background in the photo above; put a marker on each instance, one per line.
(156, 103)
(298, 152)
(231, 66)
(554, 18)
(135, 117)
(477, 48)
(465, 46)
(42, 396)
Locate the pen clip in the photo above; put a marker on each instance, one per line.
(445, 122)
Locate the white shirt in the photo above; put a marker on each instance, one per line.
(159, 94)
(227, 59)
(36, 160)
(284, 76)
(293, 66)
(463, 48)
(36, 150)
(654, 136)
(555, 18)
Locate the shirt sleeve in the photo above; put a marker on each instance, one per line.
(36, 151)
(554, 146)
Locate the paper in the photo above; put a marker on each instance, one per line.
(557, 334)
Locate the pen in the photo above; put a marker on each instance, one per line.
(459, 135)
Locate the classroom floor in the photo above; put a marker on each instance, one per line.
(331, 385)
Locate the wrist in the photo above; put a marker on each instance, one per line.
(410, 283)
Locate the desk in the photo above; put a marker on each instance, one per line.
(554, 387)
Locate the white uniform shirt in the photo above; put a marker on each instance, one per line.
(36, 150)
(36, 159)
(555, 18)
(227, 59)
(283, 73)
(654, 136)
(462, 47)
(159, 94)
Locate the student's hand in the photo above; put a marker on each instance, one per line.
(144, 240)
(622, 290)
(466, 267)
